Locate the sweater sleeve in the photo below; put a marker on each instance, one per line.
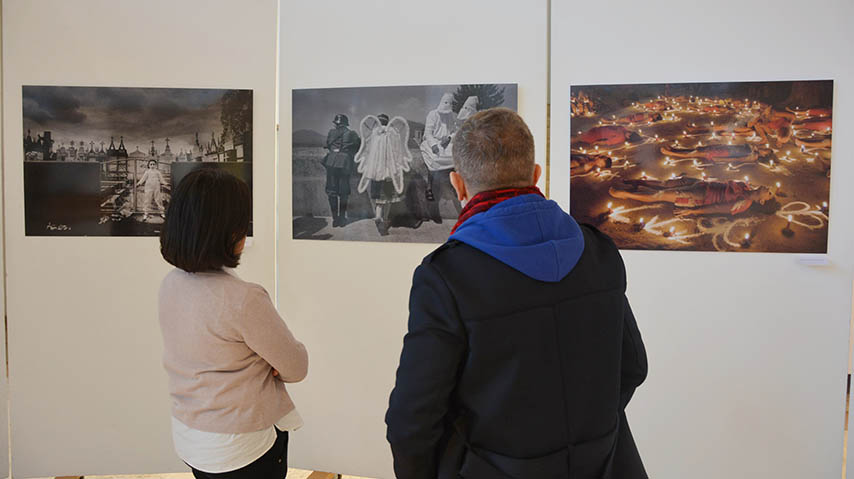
(634, 363)
(264, 331)
(433, 352)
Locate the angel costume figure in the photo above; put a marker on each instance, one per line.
(382, 159)
(436, 147)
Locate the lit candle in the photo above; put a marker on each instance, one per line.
(746, 178)
(597, 147)
(771, 163)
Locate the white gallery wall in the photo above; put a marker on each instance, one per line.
(348, 300)
(4, 386)
(747, 352)
(88, 392)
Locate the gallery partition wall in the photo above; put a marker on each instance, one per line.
(182, 83)
(728, 107)
(348, 299)
(746, 350)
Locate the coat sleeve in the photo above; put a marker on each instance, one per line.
(264, 331)
(433, 352)
(634, 362)
(330, 137)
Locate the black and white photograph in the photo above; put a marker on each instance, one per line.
(373, 163)
(102, 161)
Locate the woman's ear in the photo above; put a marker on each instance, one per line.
(460, 185)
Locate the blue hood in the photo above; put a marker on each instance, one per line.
(528, 233)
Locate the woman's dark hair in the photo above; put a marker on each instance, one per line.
(208, 215)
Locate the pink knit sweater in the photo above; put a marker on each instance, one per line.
(222, 338)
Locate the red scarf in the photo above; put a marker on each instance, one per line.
(487, 199)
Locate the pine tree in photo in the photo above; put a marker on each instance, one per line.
(488, 96)
(236, 115)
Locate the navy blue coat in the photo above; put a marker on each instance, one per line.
(521, 356)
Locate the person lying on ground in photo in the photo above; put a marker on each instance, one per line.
(694, 196)
(580, 164)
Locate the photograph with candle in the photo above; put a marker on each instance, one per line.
(737, 166)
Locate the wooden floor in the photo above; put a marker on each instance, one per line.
(292, 474)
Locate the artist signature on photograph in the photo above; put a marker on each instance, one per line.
(60, 227)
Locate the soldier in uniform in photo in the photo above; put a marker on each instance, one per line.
(342, 143)
(436, 149)
(153, 181)
(382, 159)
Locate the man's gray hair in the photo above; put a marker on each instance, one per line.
(494, 149)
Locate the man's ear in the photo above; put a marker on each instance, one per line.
(460, 185)
(538, 171)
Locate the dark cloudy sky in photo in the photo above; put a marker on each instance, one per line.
(140, 114)
(314, 109)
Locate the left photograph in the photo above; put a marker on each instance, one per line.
(102, 161)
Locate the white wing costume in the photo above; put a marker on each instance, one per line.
(384, 154)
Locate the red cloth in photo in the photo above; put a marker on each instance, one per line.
(487, 199)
